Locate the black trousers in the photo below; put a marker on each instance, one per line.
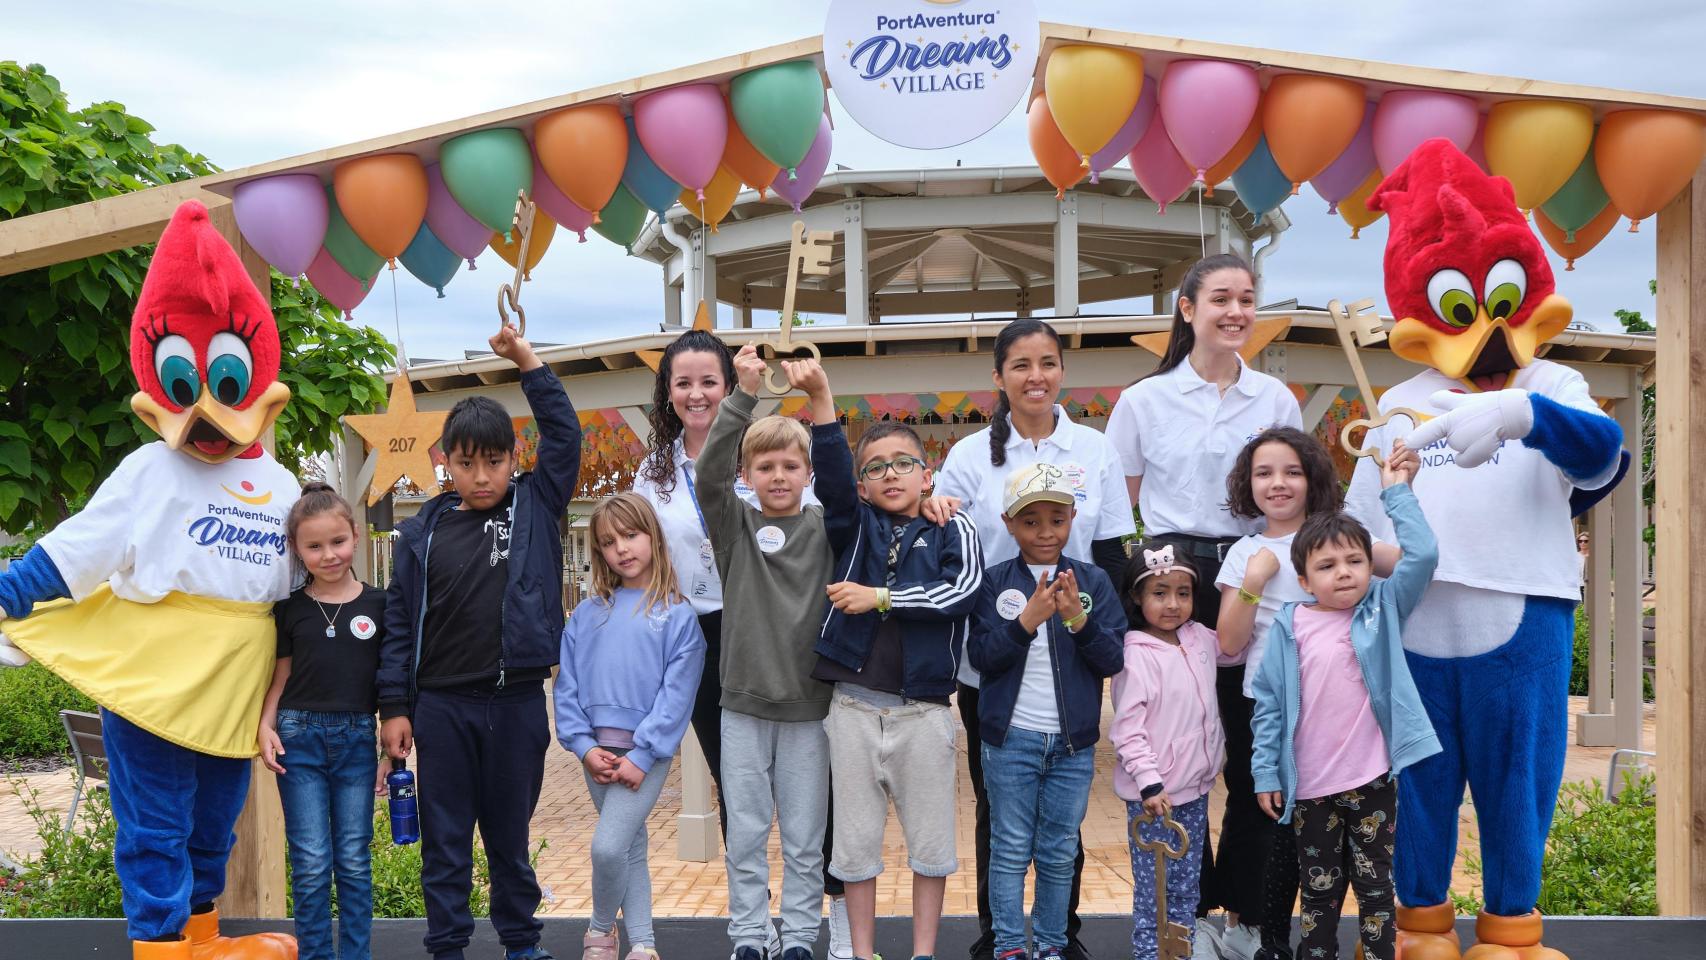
(985, 942)
(480, 760)
(1345, 840)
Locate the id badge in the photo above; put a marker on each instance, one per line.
(707, 556)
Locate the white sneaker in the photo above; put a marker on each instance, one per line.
(1205, 942)
(772, 942)
(1240, 942)
(840, 937)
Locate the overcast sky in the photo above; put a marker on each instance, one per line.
(246, 83)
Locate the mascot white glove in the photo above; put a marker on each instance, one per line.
(11, 656)
(1475, 424)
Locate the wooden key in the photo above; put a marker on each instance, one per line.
(510, 293)
(1173, 939)
(1358, 324)
(810, 253)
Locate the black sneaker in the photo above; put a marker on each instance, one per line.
(534, 952)
(747, 953)
(1075, 950)
(983, 948)
(797, 953)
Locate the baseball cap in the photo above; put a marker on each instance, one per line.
(1037, 483)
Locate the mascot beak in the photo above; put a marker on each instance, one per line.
(209, 430)
(1486, 353)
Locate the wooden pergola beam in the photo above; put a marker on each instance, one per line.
(101, 226)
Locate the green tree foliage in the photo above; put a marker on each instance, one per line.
(329, 367)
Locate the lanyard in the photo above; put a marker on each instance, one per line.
(687, 474)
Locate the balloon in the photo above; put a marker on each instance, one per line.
(1645, 157)
(357, 259)
(1405, 118)
(778, 108)
(684, 130)
(431, 261)
(1135, 126)
(486, 170)
(1207, 105)
(795, 189)
(1579, 200)
(1586, 238)
(335, 284)
(1354, 208)
(1092, 91)
(719, 198)
(1260, 183)
(555, 203)
(451, 224)
(544, 228)
(1477, 149)
(284, 218)
(1057, 158)
(744, 160)
(584, 149)
(1536, 145)
(384, 198)
(1309, 120)
(1160, 171)
(646, 179)
(621, 219)
(1235, 157)
(1352, 167)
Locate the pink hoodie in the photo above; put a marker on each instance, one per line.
(1166, 718)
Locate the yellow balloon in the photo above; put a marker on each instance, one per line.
(1354, 208)
(719, 197)
(544, 228)
(1091, 92)
(1537, 145)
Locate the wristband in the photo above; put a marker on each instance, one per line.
(1073, 623)
(1250, 598)
(882, 599)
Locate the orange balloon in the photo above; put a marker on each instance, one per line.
(1059, 161)
(584, 149)
(1587, 237)
(742, 159)
(544, 228)
(1309, 121)
(384, 198)
(1235, 157)
(1354, 208)
(719, 197)
(1645, 157)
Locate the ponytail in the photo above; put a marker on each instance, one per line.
(1000, 428)
(1183, 336)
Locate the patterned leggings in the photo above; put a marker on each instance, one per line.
(1183, 875)
(1347, 838)
(1279, 895)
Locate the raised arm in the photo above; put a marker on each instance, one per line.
(559, 453)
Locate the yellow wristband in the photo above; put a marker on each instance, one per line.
(882, 599)
(1073, 623)
(1250, 598)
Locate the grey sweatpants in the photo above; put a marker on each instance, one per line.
(781, 770)
(621, 877)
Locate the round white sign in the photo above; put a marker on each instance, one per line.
(1009, 603)
(771, 538)
(930, 73)
(363, 627)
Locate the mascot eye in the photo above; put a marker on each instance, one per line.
(1448, 294)
(228, 368)
(174, 364)
(1506, 284)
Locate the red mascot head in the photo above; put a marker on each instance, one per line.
(203, 345)
(1464, 273)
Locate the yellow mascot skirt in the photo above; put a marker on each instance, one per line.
(190, 670)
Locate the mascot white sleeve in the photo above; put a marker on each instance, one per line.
(156, 599)
(1513, 448)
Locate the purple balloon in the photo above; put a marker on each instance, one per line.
(284, 218)
(1345, 174)
(1405, 118)
(454, 227)
(335, 284)
(1130, 132)
(556, 203)
(684, 130)
(809, 171)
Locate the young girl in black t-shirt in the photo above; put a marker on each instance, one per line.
(317, 727)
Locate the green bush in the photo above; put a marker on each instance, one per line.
(1579, 654)
(73, 876)
(1602, 855)
(397, 874)
(30, 700)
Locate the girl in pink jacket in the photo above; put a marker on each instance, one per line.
(1166, 731)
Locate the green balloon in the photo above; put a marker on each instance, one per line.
(485, 170)
(356, 257)
(621, 219)
(778, 108)
(1578, 201)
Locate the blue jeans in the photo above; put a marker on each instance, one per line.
(1039, 790)
(330, 760)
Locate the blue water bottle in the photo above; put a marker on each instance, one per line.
(405, 818)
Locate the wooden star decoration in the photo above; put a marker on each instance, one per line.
(1262, 333)
(701, 321)
(400, 437)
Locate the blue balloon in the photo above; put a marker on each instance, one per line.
(1260, 185)
(430, 260)
(646, 179)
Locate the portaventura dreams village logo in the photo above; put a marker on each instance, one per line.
(240, 533)
(883, 54)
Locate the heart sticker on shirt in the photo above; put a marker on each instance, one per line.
(363, 627)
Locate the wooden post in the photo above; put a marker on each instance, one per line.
(1594, 727)
(1628, 701)
(1681, 562)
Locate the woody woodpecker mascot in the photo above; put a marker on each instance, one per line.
(163, 588)
(1512, 448)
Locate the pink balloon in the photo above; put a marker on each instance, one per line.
(454, 227)
(1345, 174)
(1129, 133)
(556, 203)
(1161, 172)
(284, 218)
(1405, 118)
(810, 170)
(1207, 106)
(335, 284)
(684, 130)
(1478, 147)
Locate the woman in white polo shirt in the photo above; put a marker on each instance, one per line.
(1178, 432)
(1028, 426)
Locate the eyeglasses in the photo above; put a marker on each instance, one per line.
(902, 466)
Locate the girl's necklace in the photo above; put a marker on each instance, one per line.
(331, 621)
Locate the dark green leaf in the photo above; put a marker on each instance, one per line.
(79, 337)
(93, 289)
(58, 430)
(15, 457)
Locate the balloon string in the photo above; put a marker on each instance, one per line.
(1202, 231)
(397, 319)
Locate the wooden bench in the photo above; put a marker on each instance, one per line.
(88, 753)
